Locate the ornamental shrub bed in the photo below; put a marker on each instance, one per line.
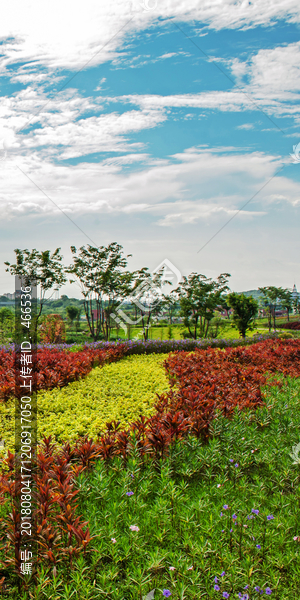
(60, 364)
(120, 391)
(162, 346)
(294, 325)
(207, 380)
(55, 368)
(215, 520)
(216, 443)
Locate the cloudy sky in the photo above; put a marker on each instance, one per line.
(164, 125)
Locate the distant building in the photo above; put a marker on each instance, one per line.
(295, 293)
(10, 296)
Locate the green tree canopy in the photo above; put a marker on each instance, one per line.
(104, 283)
(72, 312)
(245, 309)
(199, 297)
(38, 268)
(271, 295)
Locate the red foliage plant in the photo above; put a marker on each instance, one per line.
(55, 368)
(53, 330)
(206, 380)
(294, 325)
(202, 382)
(61, 533)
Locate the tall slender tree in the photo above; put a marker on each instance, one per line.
(41, 268)
(104, 284)
(271, 295)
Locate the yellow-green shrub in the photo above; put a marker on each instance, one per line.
(121, 391)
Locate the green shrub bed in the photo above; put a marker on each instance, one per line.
(119, 391)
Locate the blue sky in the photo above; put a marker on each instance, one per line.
(158, 138)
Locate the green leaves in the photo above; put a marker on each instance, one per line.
(43, 268)
(199, 297)
(245, 309)
(103, 281)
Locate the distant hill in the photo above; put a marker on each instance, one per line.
(255, 293)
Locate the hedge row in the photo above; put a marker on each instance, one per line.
(294, 325)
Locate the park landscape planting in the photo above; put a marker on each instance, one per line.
(188, 489)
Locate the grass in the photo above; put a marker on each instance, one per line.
(212, 521)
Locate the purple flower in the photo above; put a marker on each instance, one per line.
(221, 514)
(246, 587)
(217, 588)
(231, 460)
(129, 493)
(222, 531)
(225, 506)
(269, 517)
(131, 475)
(257, 588)
(222, 574)
(166, 593)
(258, 546)
(225, 595)
(268, 591)
(255, 511)
(236, 465)
(234, 516)
(216, 580)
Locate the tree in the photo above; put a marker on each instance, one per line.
(296, 304)
(38, 268)
(245, 309)
(104, 283)
(286, 298)
(149, 299)
(170, 302)
(271, 295)
(72, 312)
(199, 297)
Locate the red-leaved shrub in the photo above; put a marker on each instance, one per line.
(202, 382)
(294, 325)
(55, 368)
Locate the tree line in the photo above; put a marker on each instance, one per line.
(114, 295)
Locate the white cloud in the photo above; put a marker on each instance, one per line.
(168, 55)
(66, 35)
(64, 128)
(245, 126)
(274, 86)
(192, 186)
